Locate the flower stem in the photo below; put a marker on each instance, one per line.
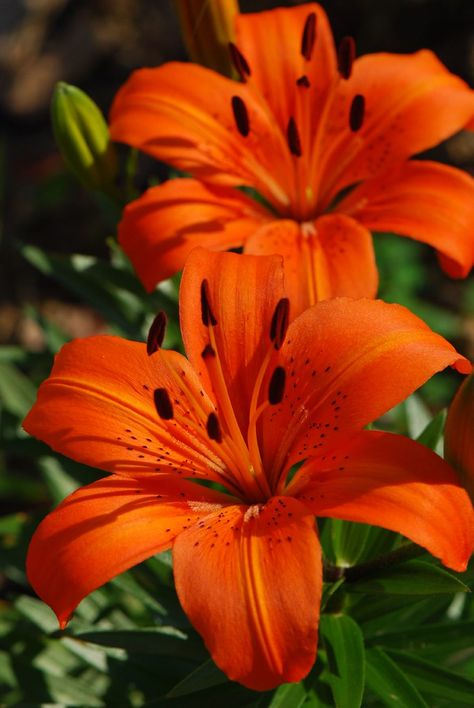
(399, 555)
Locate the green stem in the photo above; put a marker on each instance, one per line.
(399, 555)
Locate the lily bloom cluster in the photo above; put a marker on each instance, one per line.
(323, 138)
(257, 395)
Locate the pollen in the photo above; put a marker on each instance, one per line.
(203, 507)
(253, 512)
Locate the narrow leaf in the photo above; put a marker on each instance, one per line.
(204, 676)
(389, 683)
(410, 578)
(345, 652)
(434, 680)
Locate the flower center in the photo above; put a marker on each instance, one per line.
(237, 437)
(309, 136)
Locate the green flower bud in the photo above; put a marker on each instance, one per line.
(83, 139)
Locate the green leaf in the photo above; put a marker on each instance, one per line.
(71, 691)
(417, 414)
(389, 683)
(354, 542)
(447, 635)
(37, 612)
(127, 582)
(148, 640)
(344, 644)
(434, 680)
(290, 695)
(115, 294)
(384, 612)
(432, 435)
(410, 578)
(204, 676)
(60, 483)
(17, 393)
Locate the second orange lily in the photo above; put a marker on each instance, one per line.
(255, 397)
(324, 138)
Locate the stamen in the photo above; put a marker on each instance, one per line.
(156, 334)
(279, 323)
(206, 312)
(241, 116)
(345, 57)
(208, 352)
(303, 81)
(213, 428)
(276, 387)
(163, 404)
(309, 36)
(240, 63)
(293, 137)
(357, 112)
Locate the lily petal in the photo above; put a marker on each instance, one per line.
(98, 407)
(334, 256)
(105, 528)
(348, 362)
(394, 482)
(412, 102)
(183, 114)
(459, 434)
(261, 37)
(427, 201)
(250, 582)
(243, 293)
(159, 229)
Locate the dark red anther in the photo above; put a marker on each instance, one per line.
(303, 81)
(309, 36)
(208, 352)
(163, 404)
(207, 315)
(213, 428)
(241, 116)
(240, 63)
(276, 387)
(293, 138)
(279, 323)
(357, 112)
(346, 56)
(156, 334)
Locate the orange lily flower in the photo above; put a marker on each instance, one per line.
(459, 434)
(255, 397)
(323, 138)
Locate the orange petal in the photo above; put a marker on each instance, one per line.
(182, 114)
(428, 201)
(331, 257)
(97, 407)
(105, 528)
(250, 582)
(412, 102)
(243, 293)
(394, 482)
(271, 43)
(459, 434)
(159, 229)
(347, 363)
